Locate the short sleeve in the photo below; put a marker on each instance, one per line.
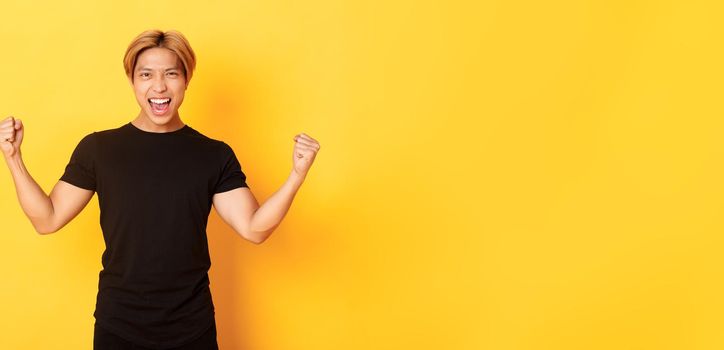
(231, 176)
(80, 170)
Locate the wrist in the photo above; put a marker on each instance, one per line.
(15, 157)
(15, 163)
(296, 178)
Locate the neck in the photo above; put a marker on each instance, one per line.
(154, 124)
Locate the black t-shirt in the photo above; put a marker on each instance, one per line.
(155, 193)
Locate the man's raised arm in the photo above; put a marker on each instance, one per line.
(240, 210)
(48, 214)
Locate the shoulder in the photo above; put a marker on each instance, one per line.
(88, 141)
(216, 144)
(110, 132)
(102, 134)
(93, 140)
(198, 135)
(226, 151)
(216, 149)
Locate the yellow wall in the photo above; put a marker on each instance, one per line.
(493, 174)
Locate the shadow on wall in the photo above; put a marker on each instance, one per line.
(225, 108)
(235, 115)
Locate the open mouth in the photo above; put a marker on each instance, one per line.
(159, 106)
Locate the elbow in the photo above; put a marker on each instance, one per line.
(256, 237)
(44, 229)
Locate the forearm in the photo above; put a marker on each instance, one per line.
(36, 205)
(270, 214)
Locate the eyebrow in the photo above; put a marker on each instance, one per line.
(167, 69)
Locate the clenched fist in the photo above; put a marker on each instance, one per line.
(11, 136)
(305, 150)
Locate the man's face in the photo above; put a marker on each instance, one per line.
(159, 84)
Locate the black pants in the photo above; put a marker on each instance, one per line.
(105, 340)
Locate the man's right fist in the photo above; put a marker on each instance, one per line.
(11, 136)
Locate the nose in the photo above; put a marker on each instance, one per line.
(159, 84)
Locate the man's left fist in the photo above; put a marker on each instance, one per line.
(305, 149)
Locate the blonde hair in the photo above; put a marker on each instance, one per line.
(171, 39)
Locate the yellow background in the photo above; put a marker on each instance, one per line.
(493, 174)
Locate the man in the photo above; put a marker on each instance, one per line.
(156, 180)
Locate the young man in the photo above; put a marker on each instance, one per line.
(156, 180)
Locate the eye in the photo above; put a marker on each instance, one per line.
(145, 74)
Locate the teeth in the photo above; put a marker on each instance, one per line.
(160, 100)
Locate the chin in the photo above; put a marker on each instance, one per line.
(159, 119)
